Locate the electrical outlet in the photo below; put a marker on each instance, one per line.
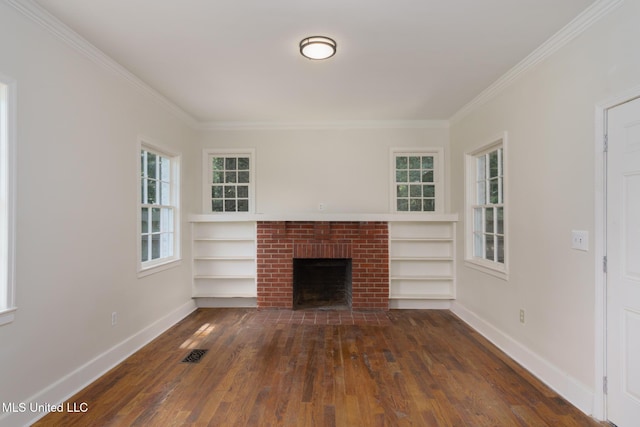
(522, 316)
(114, 318)
(321, 206)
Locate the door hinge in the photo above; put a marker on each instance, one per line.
(605, 148)
(604, 263)
(605, 385)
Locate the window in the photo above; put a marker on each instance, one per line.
(417, 182)
(486, 219)
(229, 181)
(7, 201)
(158, 207)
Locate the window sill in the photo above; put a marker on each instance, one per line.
(156, 268)
(7, 315)
(488, 268)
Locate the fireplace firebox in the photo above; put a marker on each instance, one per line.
(322, 283)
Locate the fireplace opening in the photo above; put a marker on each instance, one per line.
(322, 283)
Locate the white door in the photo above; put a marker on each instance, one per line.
(623, 265)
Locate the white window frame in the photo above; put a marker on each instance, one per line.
(7, 199)
(152, 266)
(494, 268)
(207, 169)
(438, 163)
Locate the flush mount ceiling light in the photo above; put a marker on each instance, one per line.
(318, 47)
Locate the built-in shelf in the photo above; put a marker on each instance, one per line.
(421, 260)
(421, 255)
(224, 260)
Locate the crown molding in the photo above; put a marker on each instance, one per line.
(577, 26)
(591, 15)
(343, 124)
(40, 16)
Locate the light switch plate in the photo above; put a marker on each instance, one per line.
(580, 240)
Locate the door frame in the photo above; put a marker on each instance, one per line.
(600, 247)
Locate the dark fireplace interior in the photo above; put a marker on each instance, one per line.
(321, 283)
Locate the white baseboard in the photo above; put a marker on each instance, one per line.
(568, 387)
(239, 302)
(419, 304)
(75, 381)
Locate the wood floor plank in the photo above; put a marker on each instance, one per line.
(414, 367)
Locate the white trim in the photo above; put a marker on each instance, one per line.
(8, 167)
(577, 26)
(438, 177)
(339, 124)
(206, 182)
(222, 302)
(418, 304)
(487, 267)
(498, 270)
(599, 247)
(151, 267)
(8, 315)
(71, 383)
(568, 387)
(599, 242)
(349, 217)
(573, 29)
(40, 16)
(157, 268)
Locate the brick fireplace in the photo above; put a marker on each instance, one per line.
(366, 244)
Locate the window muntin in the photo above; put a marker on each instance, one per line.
(158, 207)
(416, 181)
(229, 182)
(488, 210)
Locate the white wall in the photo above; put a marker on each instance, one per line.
(76, 237)
(78, 127)
(549, 116)
(347, 169)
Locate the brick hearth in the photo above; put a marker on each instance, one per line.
(366, 243)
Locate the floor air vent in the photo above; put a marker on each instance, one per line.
(194, 356)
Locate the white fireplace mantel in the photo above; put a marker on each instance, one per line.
(332, 217)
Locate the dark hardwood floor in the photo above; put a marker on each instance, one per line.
(411, 368)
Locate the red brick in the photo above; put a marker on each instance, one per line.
(366, 243)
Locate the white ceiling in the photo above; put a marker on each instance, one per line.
(238, 60)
